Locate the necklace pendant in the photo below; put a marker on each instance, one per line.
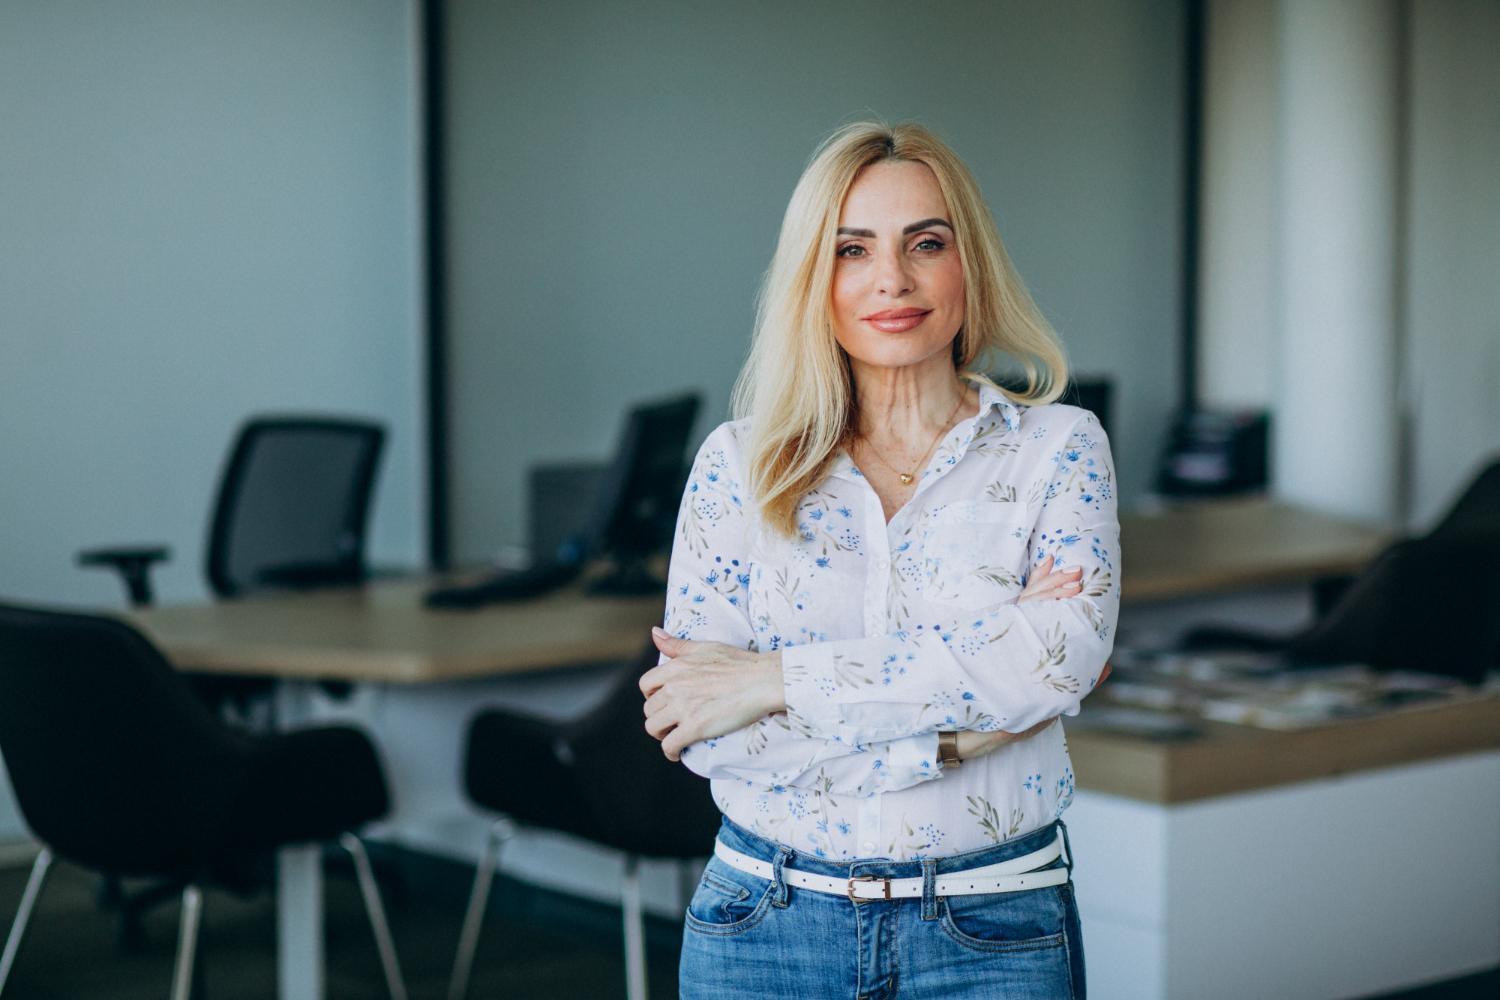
(906, 478)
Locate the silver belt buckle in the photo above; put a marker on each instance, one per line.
(868, 878)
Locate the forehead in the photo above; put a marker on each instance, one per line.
(892, 193)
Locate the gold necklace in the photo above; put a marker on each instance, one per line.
(907, 477)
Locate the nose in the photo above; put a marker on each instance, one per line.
(893, 274)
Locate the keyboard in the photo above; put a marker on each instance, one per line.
(505, 585)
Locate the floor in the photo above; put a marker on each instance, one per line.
(536, 944)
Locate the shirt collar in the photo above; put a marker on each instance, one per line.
(993, 404)
(992, 399)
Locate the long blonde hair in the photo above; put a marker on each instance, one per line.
(796, 386)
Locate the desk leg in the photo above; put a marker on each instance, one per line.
(299, 885)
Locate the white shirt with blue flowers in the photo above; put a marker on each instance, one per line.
(892, 632)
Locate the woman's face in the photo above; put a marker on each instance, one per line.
(898, 285)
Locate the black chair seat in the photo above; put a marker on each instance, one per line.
(88, 703)
(118, 767)
(601, 777)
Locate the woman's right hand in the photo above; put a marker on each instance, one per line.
(1044, 585)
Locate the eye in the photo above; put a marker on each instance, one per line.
(850, 250)
(930, 243)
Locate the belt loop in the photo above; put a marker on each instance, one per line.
(778, 878)
(1067, 846)
(929, 889)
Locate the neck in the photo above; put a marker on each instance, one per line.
(906, 404)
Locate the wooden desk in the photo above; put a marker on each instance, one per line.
(1228, 759)
(1352, 859)
(1214, 546)
(381, 632)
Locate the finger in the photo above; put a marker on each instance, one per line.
(674, 743)
(653, 679)
(655, 703)
(665, 641)
(661, 724)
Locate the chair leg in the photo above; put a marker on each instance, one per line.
(371, 893)
(187, 942)
(500, 832)
(635, 936)
(23, 914)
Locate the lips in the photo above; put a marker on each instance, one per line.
(896, 320)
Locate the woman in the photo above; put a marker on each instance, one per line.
(887, 568)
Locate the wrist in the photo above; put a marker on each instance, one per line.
(775, 682)
(948, 749)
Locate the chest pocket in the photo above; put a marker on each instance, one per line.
(974, 552)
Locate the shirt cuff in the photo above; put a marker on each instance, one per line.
(914, 760)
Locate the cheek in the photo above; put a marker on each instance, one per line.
(950, 282)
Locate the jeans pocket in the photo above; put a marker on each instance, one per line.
(727, 900)
(1031, 920)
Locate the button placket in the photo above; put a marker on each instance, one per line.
(877, 569)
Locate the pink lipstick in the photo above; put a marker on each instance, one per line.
(896, 320)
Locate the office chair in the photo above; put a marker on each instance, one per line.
(1477, 509)
(117, 767)
(292, 509)
(600, 777)
(1410, 608)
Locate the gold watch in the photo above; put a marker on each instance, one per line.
(948, 749)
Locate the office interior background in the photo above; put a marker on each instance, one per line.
(210, 210)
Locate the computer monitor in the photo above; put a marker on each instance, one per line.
(639, 494)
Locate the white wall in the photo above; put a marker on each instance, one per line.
(1452, 314)
(618, 175)
(1237, 272)
(1447, 303)
(206, 211)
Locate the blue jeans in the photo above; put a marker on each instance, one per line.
(747, 936)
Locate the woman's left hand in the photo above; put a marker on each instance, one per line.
(707, 689)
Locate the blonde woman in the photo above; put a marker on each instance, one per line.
(890, 578)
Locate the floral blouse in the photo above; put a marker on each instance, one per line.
(893, 631)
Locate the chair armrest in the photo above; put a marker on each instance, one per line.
(133, 563)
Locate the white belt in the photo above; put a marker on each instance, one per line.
(1007, 876)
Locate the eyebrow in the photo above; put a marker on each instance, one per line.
(869, 234)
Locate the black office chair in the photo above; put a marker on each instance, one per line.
(292, 509)
(117, 767)
(1410, 608)
(600, 777)
(1477, 509)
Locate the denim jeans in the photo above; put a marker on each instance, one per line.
(747, 936)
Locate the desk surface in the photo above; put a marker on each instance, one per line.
(381, 632)
(1221, 545)
(1226, 759)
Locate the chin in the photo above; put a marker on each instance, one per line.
(893, 353)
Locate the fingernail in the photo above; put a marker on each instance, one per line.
(658, 631)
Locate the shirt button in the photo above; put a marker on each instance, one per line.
(868, 847)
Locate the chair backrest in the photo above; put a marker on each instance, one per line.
(293, 504)
(1477, 509)
(1415, 608)
(653, 807)
(114, 763)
